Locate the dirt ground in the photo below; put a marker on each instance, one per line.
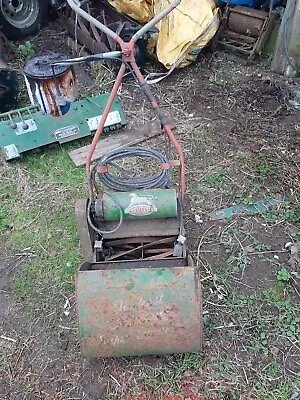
(240, 135)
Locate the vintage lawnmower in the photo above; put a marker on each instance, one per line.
(138, 291)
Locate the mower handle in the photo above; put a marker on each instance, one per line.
(75, 5)
(128, 58)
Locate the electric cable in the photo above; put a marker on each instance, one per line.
(92, 225)
(179, 208)
(126, 184)
(93, 57)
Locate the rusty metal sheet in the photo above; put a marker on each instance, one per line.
(138, 311)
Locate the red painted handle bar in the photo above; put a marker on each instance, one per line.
(75, 5)
(128, 58)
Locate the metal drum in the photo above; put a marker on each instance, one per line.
(245, 21)
(52, 88)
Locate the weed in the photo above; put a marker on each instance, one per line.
(288, 321)
(295, 236)
(274, 295)
(261, 246)
(222, 82)
(288, 211)
(27, 49)
(168, 377)
(264, 341)
(263, 170)
(103, 77)
(239, 261)
(3, 213)
(273, 369)
(221, 367)
(281, 391)
(268, 170)
(218, 179)
(283, 275)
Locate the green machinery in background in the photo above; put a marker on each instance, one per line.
(29, 128)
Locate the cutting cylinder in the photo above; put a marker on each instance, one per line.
(152, 203)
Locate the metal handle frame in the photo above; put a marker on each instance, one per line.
(127, 50)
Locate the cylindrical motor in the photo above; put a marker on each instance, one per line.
(53, 88)
(152, 203)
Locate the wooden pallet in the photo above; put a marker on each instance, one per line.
(117, 141)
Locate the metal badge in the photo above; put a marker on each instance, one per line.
(112, 118)
(66, 132)
(140, 206)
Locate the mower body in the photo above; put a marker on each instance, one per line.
(138, 291)
(141, 299)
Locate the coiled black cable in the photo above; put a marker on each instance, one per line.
(124, 183)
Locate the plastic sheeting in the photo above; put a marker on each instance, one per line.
(140, 10)
(183, 33)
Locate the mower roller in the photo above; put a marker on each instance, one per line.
(138, 291)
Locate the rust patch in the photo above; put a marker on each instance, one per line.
(159, 315)
(67, 87)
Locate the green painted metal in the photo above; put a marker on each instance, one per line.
(152, 203)
(139, 311)
(28, 128)
(258, 207)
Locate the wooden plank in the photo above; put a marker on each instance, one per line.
(117, 141)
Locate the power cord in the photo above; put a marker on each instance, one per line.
(124, 183)
(92, 225)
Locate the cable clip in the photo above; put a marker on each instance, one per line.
(170, 164)
(101, 169)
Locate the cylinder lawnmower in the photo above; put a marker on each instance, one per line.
(138, 291)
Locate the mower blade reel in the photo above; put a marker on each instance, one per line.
(139, 311)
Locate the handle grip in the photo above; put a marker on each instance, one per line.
(94, 57)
